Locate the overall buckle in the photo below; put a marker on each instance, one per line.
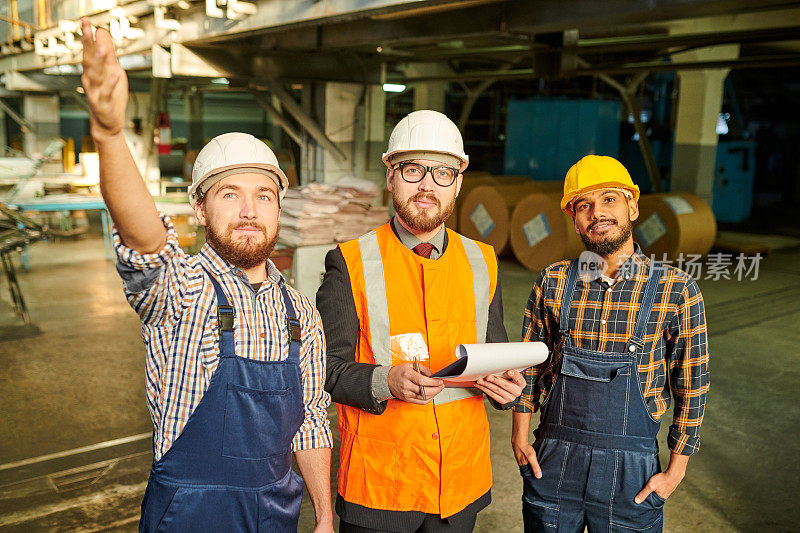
(225, 316)
(293, 325)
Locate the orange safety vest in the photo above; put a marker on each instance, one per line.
(432, 458)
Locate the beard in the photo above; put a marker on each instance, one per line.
(424, 220)
(245, 253)
(610, 244)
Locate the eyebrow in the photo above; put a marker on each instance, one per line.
(584, 198)
(238, 188)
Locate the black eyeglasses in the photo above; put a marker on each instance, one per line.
(414, 172)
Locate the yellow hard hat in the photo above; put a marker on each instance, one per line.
(595, 172)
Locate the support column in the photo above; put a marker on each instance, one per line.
(431, 94)
(370, 136)
(41, 111)
(340, 122)
(699, 105)
(351, 118)
(3, 139)
(194, 119)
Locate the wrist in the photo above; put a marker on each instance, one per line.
(102, 136)
(675, 473)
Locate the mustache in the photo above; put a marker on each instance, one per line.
(601, 221)
(256, 225)
(425, 196)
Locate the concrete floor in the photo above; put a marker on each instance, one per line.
(81, 382)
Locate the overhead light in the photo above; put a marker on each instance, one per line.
(220, 81)
(393, 87)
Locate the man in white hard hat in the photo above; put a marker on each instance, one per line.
(395, 303)
(236, 358)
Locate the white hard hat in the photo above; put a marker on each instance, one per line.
(426, 131)
(233, 153)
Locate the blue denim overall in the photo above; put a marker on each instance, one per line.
(230, 469)
(596, 444)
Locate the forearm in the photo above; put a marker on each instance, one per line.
(520, 426)
(124, 191)
(315, 467)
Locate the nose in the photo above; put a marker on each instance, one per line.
(427, 183)
(247, 208)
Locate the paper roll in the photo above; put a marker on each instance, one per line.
(486, 210)
(674, 223)
(477, 178)
(540, 233)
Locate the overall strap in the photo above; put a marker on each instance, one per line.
(292, 325)
(646, 306)
(566, 299)
(225, 316)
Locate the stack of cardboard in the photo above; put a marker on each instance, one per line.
(321, 214)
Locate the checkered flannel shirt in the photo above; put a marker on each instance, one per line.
(175, 301)
(675, 355)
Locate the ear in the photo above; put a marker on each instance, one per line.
(633, 209)
(459, 182)
(575, 225)
(389, 174)
(200, 212)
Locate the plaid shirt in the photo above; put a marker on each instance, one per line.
(175, 301)
(602, 319)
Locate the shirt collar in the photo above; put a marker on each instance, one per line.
(410, 240)
(635, 265)
(219, 266)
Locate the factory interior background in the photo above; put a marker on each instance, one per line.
(699, 99)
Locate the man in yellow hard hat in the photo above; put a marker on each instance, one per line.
(626, 334)
(395, 303)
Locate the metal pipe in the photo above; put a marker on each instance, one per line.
(16, 117)
(627, 93)
(277, 117)
(313, 129)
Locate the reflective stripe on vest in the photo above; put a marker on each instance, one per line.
(378, 307)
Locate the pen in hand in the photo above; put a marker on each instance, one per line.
(416, 369)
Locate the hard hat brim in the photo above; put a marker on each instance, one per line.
(282, 186)
(566, 201)
(464, 159)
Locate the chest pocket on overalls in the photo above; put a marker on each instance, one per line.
(603, 371)
(261, 423)
(590, 391)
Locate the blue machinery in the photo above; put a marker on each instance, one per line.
(545, 136)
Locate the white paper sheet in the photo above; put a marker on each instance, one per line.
(479, 360)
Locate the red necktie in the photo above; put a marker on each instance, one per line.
(423, 249)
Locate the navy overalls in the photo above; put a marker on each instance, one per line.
(596, 444)
(230, 469)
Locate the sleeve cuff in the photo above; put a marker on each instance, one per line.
(525, 405)
(138, 261)
(682, 443)
(319, 437)
(380, 384)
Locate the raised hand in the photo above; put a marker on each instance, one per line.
(104, 81)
